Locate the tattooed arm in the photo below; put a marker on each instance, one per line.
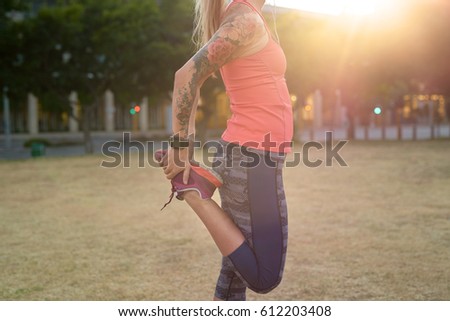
(242, 32)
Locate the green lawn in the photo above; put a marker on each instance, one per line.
(376, 230)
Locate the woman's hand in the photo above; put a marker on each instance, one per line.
(177, 161)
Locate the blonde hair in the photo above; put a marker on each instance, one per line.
(207, 20)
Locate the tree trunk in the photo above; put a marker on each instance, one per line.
(351, 125)
(399, 125)
(88, 145)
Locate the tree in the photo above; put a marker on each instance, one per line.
(11, 39)
(379, 57)
(90, 46)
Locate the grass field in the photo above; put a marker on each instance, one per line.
(376, 230)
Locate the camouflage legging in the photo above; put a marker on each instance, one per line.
(253, 196)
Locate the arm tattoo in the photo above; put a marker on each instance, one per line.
(236, 32)
(188, 93)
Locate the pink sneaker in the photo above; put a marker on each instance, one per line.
(201, 179)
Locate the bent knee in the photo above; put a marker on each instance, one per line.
(266, 287)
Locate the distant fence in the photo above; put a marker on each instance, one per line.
(390, 133)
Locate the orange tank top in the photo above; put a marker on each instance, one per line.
(261, 111)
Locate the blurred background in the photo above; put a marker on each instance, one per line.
(74, 74)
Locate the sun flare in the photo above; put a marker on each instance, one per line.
(333, 7)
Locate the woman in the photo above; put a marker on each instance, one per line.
(250, 226)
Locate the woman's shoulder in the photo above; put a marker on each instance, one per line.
(240, 10)
(243, 17)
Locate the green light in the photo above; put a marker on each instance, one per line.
(132, 111)
(377, 110)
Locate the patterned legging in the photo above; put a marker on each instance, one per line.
(253, 196)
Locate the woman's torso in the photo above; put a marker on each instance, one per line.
(259, 98)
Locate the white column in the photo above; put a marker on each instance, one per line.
(143, 115)
(109, 111)
(33, 115)
(74, 104)
(160, 115)
(339, 114)
(318, 109)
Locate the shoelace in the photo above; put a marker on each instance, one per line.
(170, 198)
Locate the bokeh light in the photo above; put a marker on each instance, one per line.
(377, 110)
(136, 109)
